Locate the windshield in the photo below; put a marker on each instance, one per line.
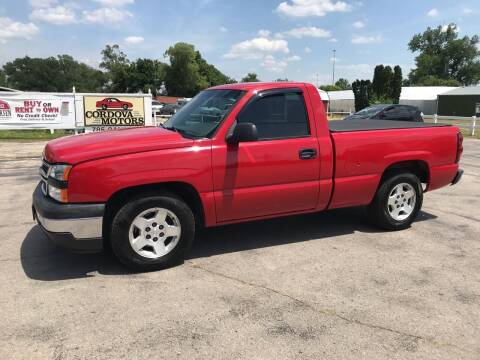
(201, 116)
(372, 110)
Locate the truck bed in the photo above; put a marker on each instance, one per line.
(366, 125)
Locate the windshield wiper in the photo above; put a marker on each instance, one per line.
(182, 132)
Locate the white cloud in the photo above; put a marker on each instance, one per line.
(303, 8)
(433, 13)
(271, 64)
(134, 40)
(467, 11)
(10, 29)
(333, 40)
(104, 15)
(58, 15)
(264, 33)
(256, 48)
(223, 29)
(307, 50)
(115, 3)
(42, 3)
(358, 24)
(301, 32)
(359, 39)
(293, 58)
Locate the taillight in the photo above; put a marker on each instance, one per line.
(459, 147)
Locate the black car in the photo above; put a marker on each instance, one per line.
(388, 112)
(169, 109)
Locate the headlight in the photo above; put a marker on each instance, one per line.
(57, 182)
(59, 172)
(58, 194)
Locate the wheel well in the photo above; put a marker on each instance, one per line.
(416, 167)
(184, 191)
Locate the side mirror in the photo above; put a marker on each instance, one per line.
(242, 132)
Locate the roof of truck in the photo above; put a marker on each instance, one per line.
(257, 85)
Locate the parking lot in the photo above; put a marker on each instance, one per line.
(306, 287)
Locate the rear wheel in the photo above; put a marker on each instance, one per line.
(397, 202)
(152, 232)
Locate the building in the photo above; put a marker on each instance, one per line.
(341, 101)
(325, 98)
(463, 101)
(423, 97)
(167, 99)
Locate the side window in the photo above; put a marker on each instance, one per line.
(390, 113)
(278, 116)
(404, 113)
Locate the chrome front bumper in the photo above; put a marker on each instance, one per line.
(75, 226)
(86, 228)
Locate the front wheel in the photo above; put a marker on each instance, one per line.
(152, 232)
(397, 202)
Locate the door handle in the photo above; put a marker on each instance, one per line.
(307, 154)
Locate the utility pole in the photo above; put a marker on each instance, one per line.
(333, 72)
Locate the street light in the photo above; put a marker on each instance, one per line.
(333, 71)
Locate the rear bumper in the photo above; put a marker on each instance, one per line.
(457, 177)
(74, 226)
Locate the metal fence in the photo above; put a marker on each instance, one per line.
(466, 123)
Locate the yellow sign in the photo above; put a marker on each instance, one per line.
(113, 111)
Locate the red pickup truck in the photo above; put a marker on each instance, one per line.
(235, 153)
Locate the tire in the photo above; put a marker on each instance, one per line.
(392, 211)
(104, 107)
(124, 231)
(125, 107)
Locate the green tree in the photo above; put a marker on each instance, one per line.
(382, 79)
(250, 77)
(362, 90)
(396, 84)
(431, 80)
(210, 73)
(330, 88)
(146, 74)
(343, 84)
(3, 78)
(52, 74)
(183, 76)
(445, 56)
(117, 69)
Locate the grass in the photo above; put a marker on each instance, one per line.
(33, 134)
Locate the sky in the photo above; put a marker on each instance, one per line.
(291, 39)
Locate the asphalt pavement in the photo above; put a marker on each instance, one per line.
(317, 286)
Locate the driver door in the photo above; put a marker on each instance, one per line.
(278, 173)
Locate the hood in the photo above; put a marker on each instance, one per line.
(79, 148)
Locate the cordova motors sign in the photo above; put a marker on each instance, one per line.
(104, 113)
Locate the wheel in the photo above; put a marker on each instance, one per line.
(152, 232)
(397, 202)
(104, 107)
(125, 107)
